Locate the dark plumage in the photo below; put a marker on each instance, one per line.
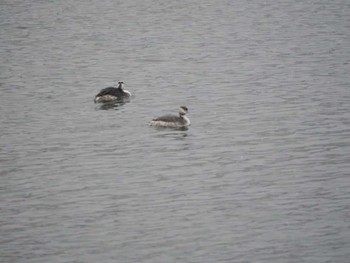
(112, 94)
(118, 92)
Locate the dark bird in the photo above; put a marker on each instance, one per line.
(112, 94)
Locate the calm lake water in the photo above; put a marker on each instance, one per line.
(261, 175)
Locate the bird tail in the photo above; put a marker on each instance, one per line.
(97, 98)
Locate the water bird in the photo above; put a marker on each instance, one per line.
(112, 94)
(172, 121)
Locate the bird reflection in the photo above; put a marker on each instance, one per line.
(110, 106)
(177, 134)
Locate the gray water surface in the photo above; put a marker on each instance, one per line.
(261, 175)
